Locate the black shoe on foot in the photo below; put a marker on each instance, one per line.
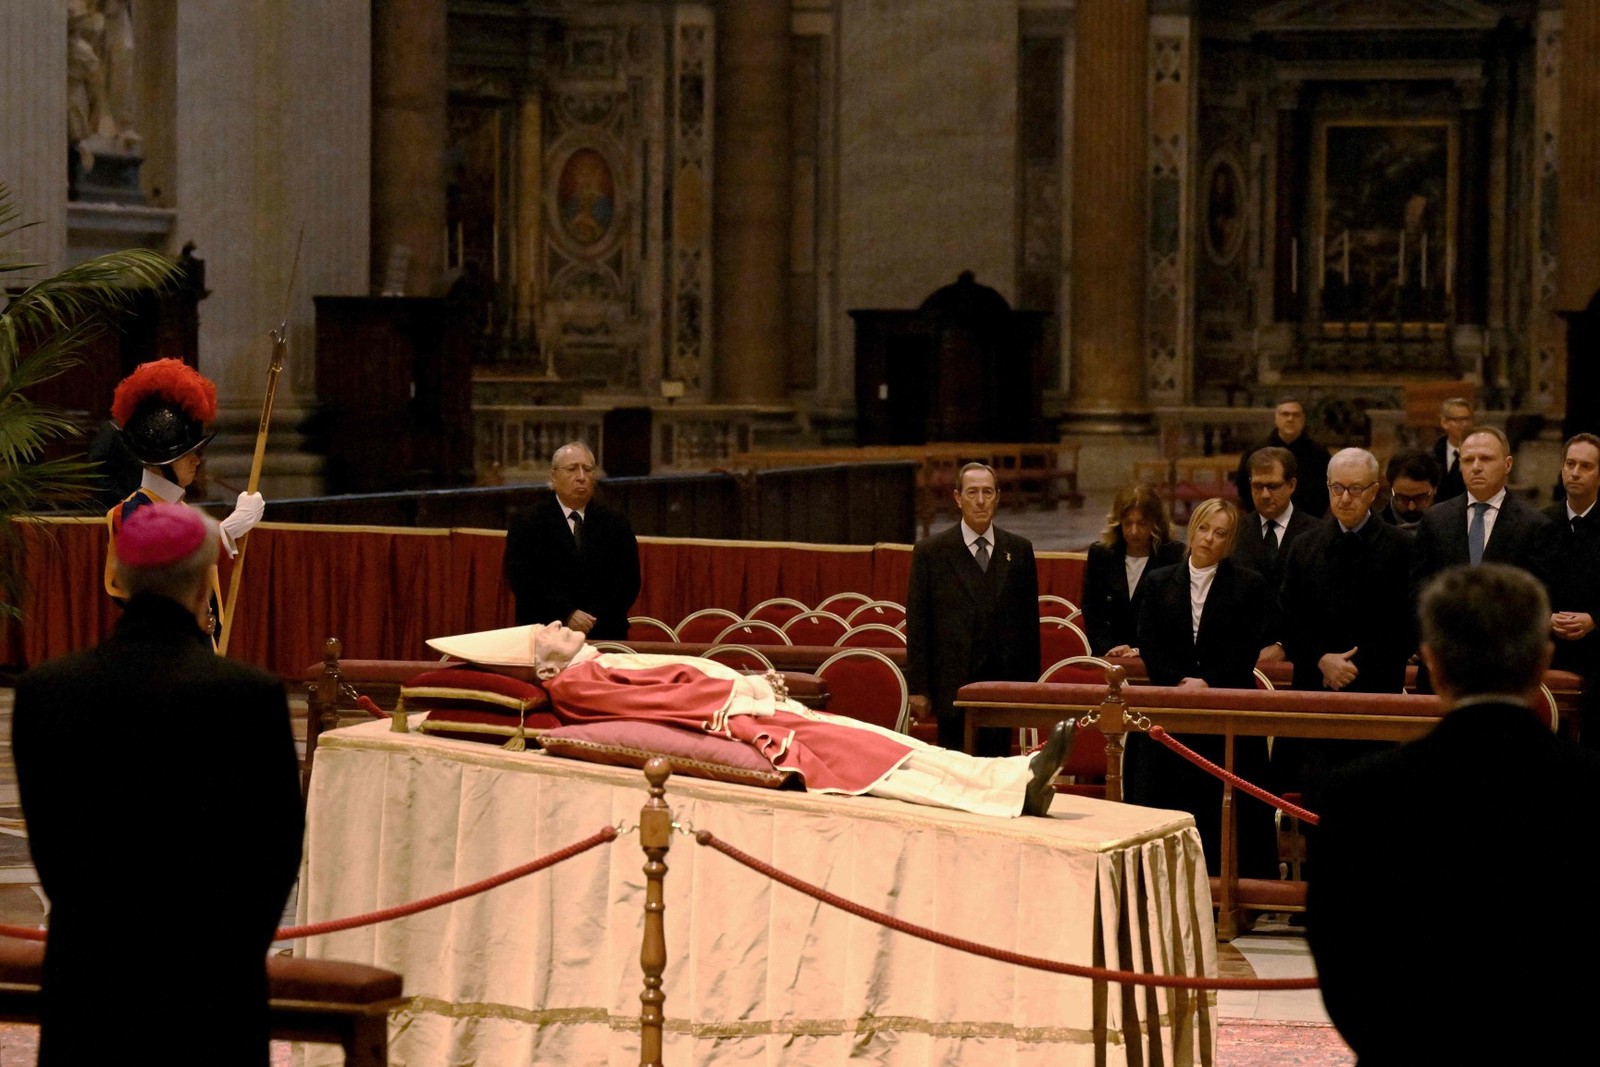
(1045, 764)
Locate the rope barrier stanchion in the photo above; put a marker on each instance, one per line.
(1307, 817)
(1103, 974)
(655, 837)
(400, 911)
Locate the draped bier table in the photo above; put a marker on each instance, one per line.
(546, 969)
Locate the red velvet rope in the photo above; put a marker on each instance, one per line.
(1104, 974)
(368, 705)
(290, 933)
(1307, 817)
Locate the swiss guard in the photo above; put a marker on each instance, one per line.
(162, 409)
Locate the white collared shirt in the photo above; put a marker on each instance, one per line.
(1450, 454)
(1489, 516)
(1200, 579)
(169, 492)
(1571, 515)
(1281, 520)
(1357, 527)
(566, 513)
(970, 536)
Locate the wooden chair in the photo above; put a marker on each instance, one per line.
(1084, 772)
(751, 632)
(885, 611)
(704, 625)
(610, 646)
(872, 635)
(739, 657)
(778, 610)
(843, 603)
(815, 628)
(645, 628)
(1057, 607)
(865, 684)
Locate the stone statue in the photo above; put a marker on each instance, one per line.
(100, 82)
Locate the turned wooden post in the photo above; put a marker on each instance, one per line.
(322, 704)
(655, 837)
(1113, 723)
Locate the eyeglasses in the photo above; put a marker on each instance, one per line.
(1408, 500)
(574, 468)
(1335, 489)
(1267, 487)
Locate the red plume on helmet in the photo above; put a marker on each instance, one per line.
(163, 407)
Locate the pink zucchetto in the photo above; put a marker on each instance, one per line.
(159, 535)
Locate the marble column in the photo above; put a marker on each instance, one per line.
(1109, 156)
(33, 130)
(1578, 207)
(750, 305)
(409, 135)
(528, 239)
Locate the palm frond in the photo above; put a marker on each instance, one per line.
(108, 280)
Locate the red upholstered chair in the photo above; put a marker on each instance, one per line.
(1262, 681)
(843, 603)
(1057, 607)
(865, 684)
(815, 628)
(778, 610)
(645, 628)
(704, 625)
(751, 632)
(739, 657)
(1084, 773)
(1060, 639)
(885, 611)
(873, 635)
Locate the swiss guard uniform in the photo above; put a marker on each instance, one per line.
(162, 409)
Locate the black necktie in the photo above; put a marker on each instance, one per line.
(982, 554)
(577, 528)
(1269, 539)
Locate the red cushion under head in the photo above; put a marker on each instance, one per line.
(695, 754)
(467, 687)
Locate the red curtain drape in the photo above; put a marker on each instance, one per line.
(383, 591)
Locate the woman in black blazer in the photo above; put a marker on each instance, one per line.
(1137, 542)
(1203, 623)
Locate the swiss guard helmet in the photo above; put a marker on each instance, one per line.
(163, 408)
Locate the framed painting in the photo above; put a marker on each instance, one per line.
(1385, 207)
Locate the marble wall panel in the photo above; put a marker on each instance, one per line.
(33, 135)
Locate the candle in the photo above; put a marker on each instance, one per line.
(1322, 261)
(1294, 264)
(1402, 276)
(1449, 266)
(1347, 257)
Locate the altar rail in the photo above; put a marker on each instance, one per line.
(385, 590)
(1231, 713)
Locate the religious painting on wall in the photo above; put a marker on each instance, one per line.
(586, 198)
(1225, 209)
(1383, 257)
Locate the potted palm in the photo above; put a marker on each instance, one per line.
(44, 324)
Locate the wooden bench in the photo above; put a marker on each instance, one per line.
(320, 1001)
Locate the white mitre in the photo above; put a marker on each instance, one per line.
(510, 647)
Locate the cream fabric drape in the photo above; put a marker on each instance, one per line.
(546, 969)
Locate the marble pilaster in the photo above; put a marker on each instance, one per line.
(751, 208)
(33, 135)
(1578, 210)
(1110, 156)
(409, 135)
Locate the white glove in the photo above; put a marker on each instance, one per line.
(247, 511)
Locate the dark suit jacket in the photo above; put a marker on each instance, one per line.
(551, 578)
(1249, 550)
(1233, 627)
(1518, 538)
(1110, 615)
(159, 783)
(1311, 480)
(1572, 565)
(1451, 484)
(1350, 590)
(1415, 968)
(966, 625)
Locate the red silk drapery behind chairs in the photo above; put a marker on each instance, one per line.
(382, 591)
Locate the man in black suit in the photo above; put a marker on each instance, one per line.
(1266, 536)
(570, 559)
(1349, 623)
(1572, 562)
(1455, 419)
(1413, 479)
(1421, 850)
(1487, 524)
(972, 611)
(1289, 431)
(159, 783)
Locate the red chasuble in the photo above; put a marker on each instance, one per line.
(829, 756)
